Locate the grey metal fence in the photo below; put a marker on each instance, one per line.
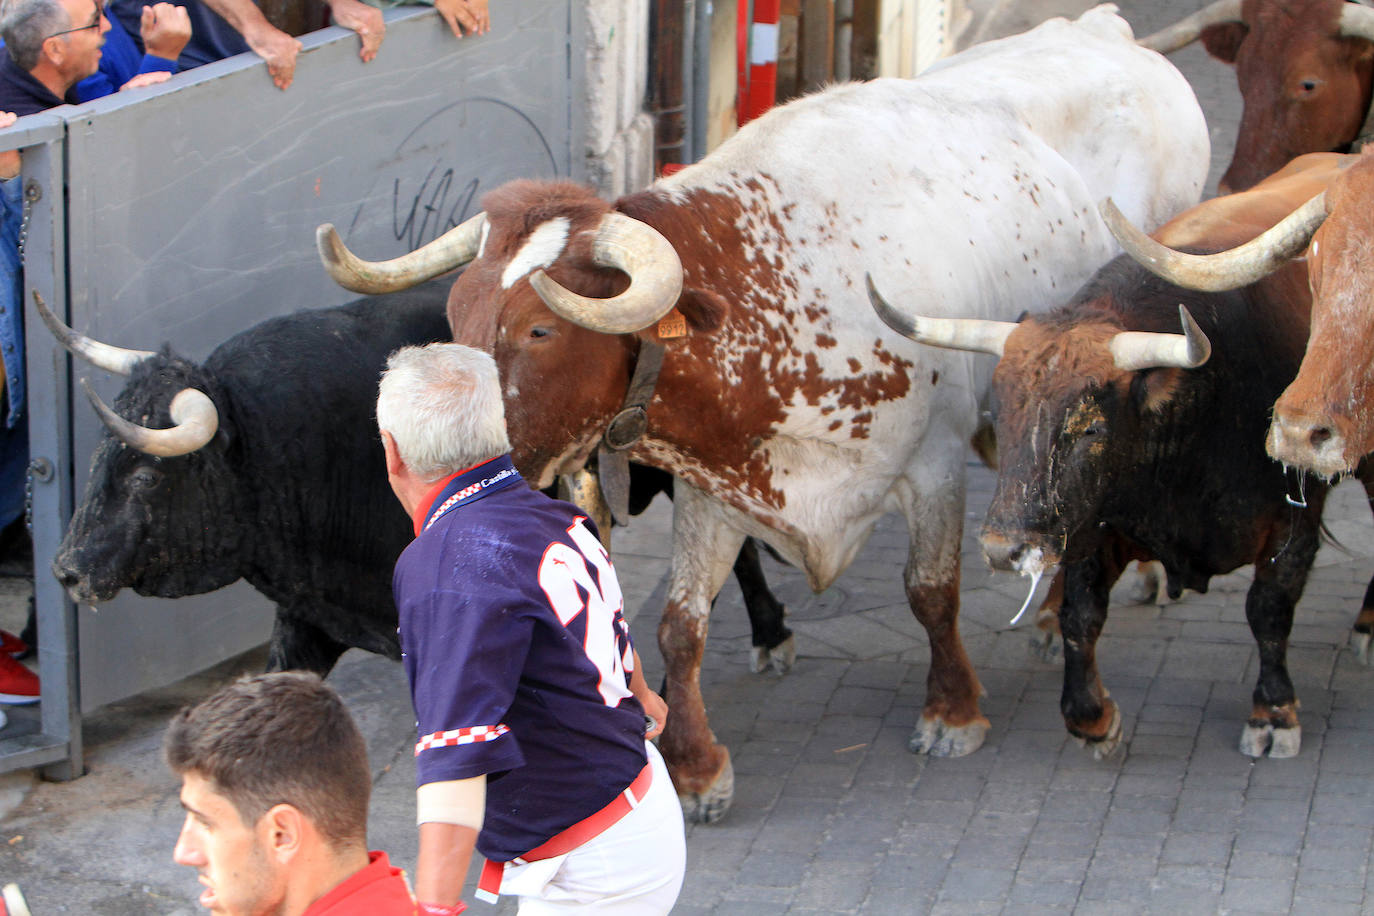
(186, 213)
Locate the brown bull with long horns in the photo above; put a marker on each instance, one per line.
(1305, 70)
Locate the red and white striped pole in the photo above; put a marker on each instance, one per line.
(758, 90)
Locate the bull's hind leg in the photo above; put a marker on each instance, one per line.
(772, 642)
(1089, 712)
(1362, 635)
(951, 724)
(1273, 726)
(704, 547)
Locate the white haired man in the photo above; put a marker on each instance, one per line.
(529, 697)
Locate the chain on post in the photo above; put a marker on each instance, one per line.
(33, 192)
(38, 467)
(28, 499)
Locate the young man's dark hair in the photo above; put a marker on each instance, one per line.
(263, 740)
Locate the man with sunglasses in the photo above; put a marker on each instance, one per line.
(50, 46)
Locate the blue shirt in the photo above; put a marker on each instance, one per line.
(212, 37)
(518, 656)
(21, 93)
(120, 61)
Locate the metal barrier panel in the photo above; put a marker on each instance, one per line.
(191, 214)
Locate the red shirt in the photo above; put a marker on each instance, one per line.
(377, 890)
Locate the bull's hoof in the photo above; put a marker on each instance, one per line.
(1261, 739)
(710, 803)
(1045, 646)
(1150, 585)
(1359, 644)
(780, 658)
(1105, 744)
(938, 739)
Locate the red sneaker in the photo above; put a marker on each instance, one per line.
(18, 685)
(11, 644)
(12, 902)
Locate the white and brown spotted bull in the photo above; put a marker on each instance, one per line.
(784, 407)
(1323, 422)
(1112, 427)
(1305, 70)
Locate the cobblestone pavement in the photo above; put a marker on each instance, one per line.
(832, 814)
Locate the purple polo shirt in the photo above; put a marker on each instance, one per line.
(518, 656)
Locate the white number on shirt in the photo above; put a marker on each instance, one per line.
(564, 576)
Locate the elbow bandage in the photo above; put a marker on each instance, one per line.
(455, 801)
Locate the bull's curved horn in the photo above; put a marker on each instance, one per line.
(1357, 21)
(192, 411)
(453, 249)
(1134, 350)
(975, 334)
(1224, 270)
(1186, 30)
(637, 249)
(102, 356)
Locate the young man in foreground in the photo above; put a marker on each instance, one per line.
(275, 783)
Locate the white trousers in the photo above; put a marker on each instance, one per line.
(634, 868)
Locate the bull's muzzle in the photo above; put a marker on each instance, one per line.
(1312, 443)
(1017, 552)
(78, 587)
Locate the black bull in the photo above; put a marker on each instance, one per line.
(1095, 451)
(291, 493)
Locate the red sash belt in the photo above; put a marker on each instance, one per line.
(489, 885)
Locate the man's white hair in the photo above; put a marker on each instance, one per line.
(442, 405)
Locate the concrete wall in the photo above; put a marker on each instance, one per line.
(620, 135)
(913, 34)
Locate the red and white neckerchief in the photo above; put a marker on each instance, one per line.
(468, 492)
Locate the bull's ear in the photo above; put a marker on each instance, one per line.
(1153, 389)
(704, 310)
(1222, 41)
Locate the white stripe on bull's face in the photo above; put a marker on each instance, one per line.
(541, 249)
(482, 242)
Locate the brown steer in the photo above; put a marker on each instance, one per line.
(1304, 69)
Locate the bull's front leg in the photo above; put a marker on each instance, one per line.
(1273, 726)
(1089, 712)
(951, 724)
(1045, 640)
(704, 548)
(1362, 635)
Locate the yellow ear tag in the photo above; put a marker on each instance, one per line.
(672, 325)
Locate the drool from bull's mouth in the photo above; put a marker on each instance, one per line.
(1033, 565)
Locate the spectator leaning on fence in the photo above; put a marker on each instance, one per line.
(223, 28)
(50, 46)
(164, 30)
(275, 783)
(468, 16)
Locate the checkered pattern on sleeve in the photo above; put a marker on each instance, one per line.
(455, 736)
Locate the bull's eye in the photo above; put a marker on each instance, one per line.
(1308, 86)
(145, 478)
(538, 332)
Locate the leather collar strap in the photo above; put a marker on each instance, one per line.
(625, 429)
